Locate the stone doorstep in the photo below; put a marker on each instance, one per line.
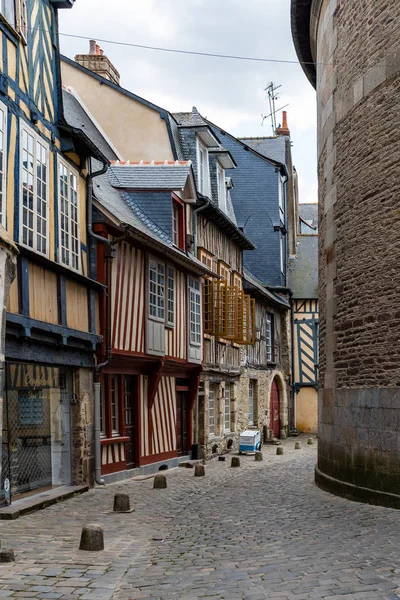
(40, 500)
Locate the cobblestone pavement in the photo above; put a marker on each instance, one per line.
(260, 531)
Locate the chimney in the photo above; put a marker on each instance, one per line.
(97, 62)
(283, 129)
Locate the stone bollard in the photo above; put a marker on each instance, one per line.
(199, 471)
(258, 456)
(235, 462)
(160, 482)
(7, 556)
(121, 503)
(310, 441)
(92, 538)
(279, 451)
(297, 446)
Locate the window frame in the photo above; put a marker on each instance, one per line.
(178, 219)
(21, 18)
(281, 198)
(203, 168)
(158, 305)
(269, 336)
(37, 139)
(74, 172)
(211, 390)
(227, 397)
(194, 288)
(282, 253)
(170, 301)
(5, 6)
(221, 188)
(3, 167)
(115, 432)
(252, 389)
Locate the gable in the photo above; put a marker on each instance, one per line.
(142, 134)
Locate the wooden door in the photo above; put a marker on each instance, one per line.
(274, 423)
(130, 421)
(182, 425)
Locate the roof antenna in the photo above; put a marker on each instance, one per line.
(272, 97)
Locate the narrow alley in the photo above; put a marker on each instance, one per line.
(260, 531)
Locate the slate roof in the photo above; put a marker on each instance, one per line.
(303, 269)
(122, 206)
(189, 119)
(308, 212)
(168, 175)
(251, 281)
(270, 147)
(76, 117)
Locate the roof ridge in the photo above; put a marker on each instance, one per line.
(151, 163)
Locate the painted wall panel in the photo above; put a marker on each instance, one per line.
(42, 294)
(77, 306)
(128, 299)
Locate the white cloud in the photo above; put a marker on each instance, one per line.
(229, 92)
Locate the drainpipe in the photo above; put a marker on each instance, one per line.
(96, 384)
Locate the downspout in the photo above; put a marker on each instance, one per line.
(96, 385)
(196, 445)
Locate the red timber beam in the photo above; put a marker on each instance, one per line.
(154, 378)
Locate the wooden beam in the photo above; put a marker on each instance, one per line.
(154, 380)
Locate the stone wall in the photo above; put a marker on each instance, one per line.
(358, 90)
(83, 429)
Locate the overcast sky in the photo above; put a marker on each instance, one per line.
(228, 92)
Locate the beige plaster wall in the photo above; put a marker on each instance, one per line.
(307, 410)
(136, 131)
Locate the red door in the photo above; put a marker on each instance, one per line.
(182, 415)
(274, 423)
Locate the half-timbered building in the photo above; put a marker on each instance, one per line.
(52, 322)
(303, 278)
(151, 318)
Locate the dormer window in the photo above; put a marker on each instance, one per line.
(204, 177)
(221, 188)
(178, 222)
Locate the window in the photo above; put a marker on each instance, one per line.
(7, 9)
(227, 409)
(224, 271)
(221, 188)
(178, 223)
(34, 177)
(31, 407)
(103, 413)
(128, 396)
(251, 401)
(202, 154)
(68, 216)
(237, 280)
(3, 162)
(170, 295)
(282, 251)
(211, 411)
(23, 19)
(270, 337)
(194, 312)
(114, 406)
(156, 290)
(281, 199)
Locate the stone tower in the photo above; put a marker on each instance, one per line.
(350, 54)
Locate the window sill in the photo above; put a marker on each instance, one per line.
(11, 32)
(114, 440)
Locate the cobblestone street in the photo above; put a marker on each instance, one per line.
(261, 531)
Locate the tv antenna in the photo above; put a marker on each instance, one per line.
(273, 96)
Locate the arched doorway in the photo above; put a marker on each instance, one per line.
(274, 421)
